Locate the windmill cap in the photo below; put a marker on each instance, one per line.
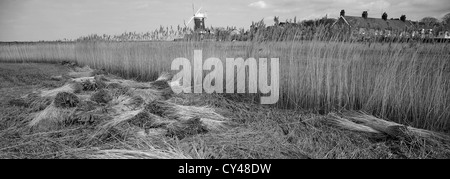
(200, 15)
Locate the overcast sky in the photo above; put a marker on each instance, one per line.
(32, 20)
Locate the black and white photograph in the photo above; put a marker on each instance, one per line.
(225, 79)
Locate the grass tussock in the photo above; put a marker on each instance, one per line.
(101, 96)
(66, 100)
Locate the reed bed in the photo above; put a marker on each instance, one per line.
(404, 82)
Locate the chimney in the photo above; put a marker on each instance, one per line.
(384, 16)
(403, 18)
(365, 14)
(342, 12)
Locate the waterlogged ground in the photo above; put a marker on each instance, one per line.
(257, 131)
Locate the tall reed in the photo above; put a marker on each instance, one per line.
(405, 83)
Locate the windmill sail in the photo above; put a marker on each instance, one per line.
(199, 20)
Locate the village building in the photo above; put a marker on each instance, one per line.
(368, 27)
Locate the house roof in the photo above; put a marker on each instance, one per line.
(375, 23)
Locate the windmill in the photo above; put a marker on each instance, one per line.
(199, 20)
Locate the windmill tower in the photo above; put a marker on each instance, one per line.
(199, 20)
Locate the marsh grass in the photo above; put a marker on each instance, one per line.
(406, 83)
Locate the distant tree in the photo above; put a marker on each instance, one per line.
(403, 18)
(446, 20)
(384, 16)
(430, 21)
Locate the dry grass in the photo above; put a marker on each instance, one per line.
(141, 105)
(113, 127)
(136, 154)
(261, 131)
(68, 88)
(359, 121)
(49, 117)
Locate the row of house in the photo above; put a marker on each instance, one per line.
(365, 26)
